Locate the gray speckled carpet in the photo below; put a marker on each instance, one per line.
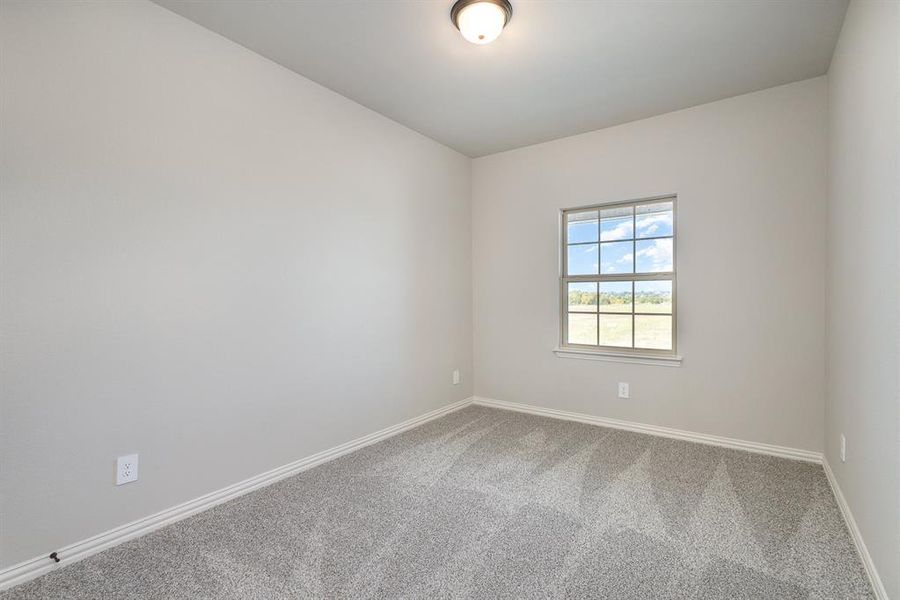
(486, 503)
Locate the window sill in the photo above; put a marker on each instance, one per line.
(620, 357)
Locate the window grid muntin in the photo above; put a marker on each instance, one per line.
(633, 277)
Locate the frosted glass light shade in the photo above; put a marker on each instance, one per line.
(481, 22)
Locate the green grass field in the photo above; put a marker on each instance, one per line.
(651, 331)
(640, 307)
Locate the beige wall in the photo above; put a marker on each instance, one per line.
(749, 174)
(863, 322)
(208, 260)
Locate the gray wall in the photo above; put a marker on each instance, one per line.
(749, 173)
(208, 260)
(863, 333)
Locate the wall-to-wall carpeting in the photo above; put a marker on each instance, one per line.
(485, 504)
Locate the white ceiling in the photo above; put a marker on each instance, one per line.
(560, 67)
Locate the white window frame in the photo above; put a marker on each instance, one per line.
(617, 353)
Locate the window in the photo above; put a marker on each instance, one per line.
(617, 288)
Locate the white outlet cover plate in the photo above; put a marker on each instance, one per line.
(624, 392)
(126, 469)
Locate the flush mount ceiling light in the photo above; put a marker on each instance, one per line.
(481, 21)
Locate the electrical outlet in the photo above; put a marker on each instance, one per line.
(126, 469)
(843, 448)
(456, 377)
(624, 392)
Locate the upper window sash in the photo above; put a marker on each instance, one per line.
(619, 240)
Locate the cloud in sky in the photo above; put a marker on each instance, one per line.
(654, 224)
(621, 231)
(655, 257)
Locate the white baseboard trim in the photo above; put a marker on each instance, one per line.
(40, 565)
(861, 549)
(678, 434)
